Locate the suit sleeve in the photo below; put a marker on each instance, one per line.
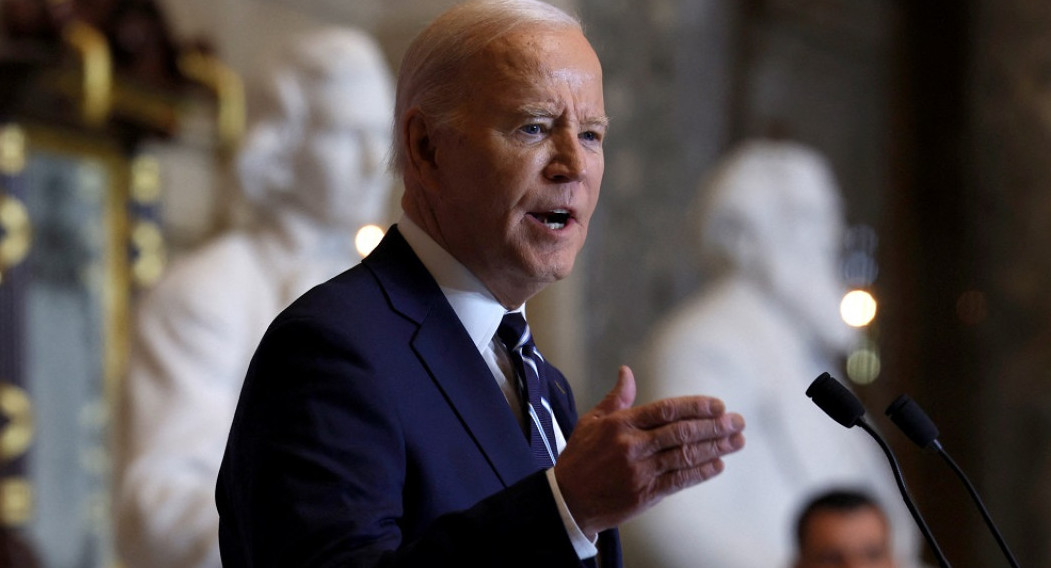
(315, 473)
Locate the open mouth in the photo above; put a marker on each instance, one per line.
(556, 219)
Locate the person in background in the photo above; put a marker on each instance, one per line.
(769, 225)
(311, 172)
(400, 414)
(843, 528)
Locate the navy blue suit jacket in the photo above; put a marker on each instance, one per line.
(370, 432)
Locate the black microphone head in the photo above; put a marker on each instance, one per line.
(913, 421)
(836, 400)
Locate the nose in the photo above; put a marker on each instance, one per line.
(567, 163)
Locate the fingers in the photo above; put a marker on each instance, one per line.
(691, 456)
(661, 412)
(689, 464)
(695, 431)
(620, 459)
(680, 479)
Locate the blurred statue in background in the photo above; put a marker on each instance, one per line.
(770, 223)
(311, 172)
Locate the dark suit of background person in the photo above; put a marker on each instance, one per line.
(370, 429)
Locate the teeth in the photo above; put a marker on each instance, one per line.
(555, 219)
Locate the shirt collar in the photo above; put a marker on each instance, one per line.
(478, 310)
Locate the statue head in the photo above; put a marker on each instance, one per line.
(323, 129)
(772, 213)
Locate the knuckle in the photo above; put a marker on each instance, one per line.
(717, 428)
(685, 478)
(687, 457)
(665, 411)
(680, 433)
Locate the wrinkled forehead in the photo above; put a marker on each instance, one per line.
(557, 52)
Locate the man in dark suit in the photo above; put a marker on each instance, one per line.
(381, 421)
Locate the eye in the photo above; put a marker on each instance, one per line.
(533, 129)
(591, 136)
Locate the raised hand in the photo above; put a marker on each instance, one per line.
(621, 460)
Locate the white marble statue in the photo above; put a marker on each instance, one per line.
(311, 172)
(770, 223)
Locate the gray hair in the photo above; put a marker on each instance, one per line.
(432, 67)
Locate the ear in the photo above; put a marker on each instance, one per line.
(421, 153)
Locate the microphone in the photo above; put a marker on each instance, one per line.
(842, 406)
(915, 423)
(836, 400)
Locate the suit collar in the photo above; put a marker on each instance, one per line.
(450, 356)
(477, 308)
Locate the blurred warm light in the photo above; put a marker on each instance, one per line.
(863, 366)
(367, 238)
(858, 308)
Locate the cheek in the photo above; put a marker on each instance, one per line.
(595, 172)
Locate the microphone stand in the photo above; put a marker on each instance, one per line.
(915, 423)
(977, 501)
(842, 406)
(900, 479)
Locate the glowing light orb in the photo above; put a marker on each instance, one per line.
(367, 238)
(858, 308)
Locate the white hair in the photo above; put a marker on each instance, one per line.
(432, 67)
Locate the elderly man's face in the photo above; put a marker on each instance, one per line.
(519, 172)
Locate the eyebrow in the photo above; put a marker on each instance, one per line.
(601, 120)
(545, 111)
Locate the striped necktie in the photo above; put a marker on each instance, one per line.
(529, 367)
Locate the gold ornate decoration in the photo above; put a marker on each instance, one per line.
(228, 88)
(12, 149)
(16, 501)
(15, 231)
(148, 242)
(145, 180)
(96, 70)
(17, 412)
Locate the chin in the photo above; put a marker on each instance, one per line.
(553, 272)
(547, 265)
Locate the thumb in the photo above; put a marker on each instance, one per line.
(622, 395)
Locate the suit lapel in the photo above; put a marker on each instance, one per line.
(558, 395)
(446, 350)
